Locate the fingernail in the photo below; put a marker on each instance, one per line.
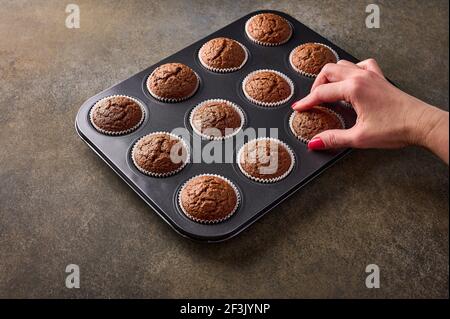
(316, 144)
(297, 104)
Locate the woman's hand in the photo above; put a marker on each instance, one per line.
(386, 116)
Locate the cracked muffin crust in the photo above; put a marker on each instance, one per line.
(310, 58)
(159, 154)
(267, 87)
(172, 82)
(216, 119)
(116, 115)
(268, 29)
(222, 54)
(265, 160)
(307, 124)
(208, 199)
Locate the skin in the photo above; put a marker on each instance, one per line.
(386, 116)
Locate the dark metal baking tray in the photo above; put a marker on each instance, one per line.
(257, 199)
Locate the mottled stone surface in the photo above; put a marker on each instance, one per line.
(60, 204)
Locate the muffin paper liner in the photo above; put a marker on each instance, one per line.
(267, 104)
(266, 43)
(347, 104)
(238, 200)
(267, 180)
(171, 100)
(153, 174)
(305, 140)
(217, 138)
(306, 73)
(91, 116)
(225, 70)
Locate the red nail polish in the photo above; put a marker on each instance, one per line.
(293, 105)
(316, 144)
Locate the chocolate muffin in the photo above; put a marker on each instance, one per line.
(216, 119)
(268, 29)
(172, 82)
(160, 154)
(208, 199)
(222, 55)
(267, 88)
(265, 160)
(307, 124)
(116, 115)
(310, 58)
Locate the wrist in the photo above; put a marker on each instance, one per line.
(424, 121)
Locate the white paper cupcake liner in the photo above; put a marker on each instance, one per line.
(116, 133)
(267, 104)
(225, 70)
(238, 200)
(306, 73)
(266, 180)
(217, 138)
(305, 140)
(171, 100)
(266, 43)
(346, 104)
(153, 174)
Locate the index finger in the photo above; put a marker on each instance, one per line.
(330, 92)
(371, 65)
(332, 72)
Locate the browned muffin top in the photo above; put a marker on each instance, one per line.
(312, 57)
(308, 124)
(222, 53)
(172, 81)
(215, 116)
(116, 114)
(208, 198)
(265, 159)
(267, 86)
(152, 153)
(269, 28)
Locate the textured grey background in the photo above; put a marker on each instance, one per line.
(60, 204)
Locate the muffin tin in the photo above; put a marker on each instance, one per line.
(256, 198)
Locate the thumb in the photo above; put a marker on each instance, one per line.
(332, 139)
